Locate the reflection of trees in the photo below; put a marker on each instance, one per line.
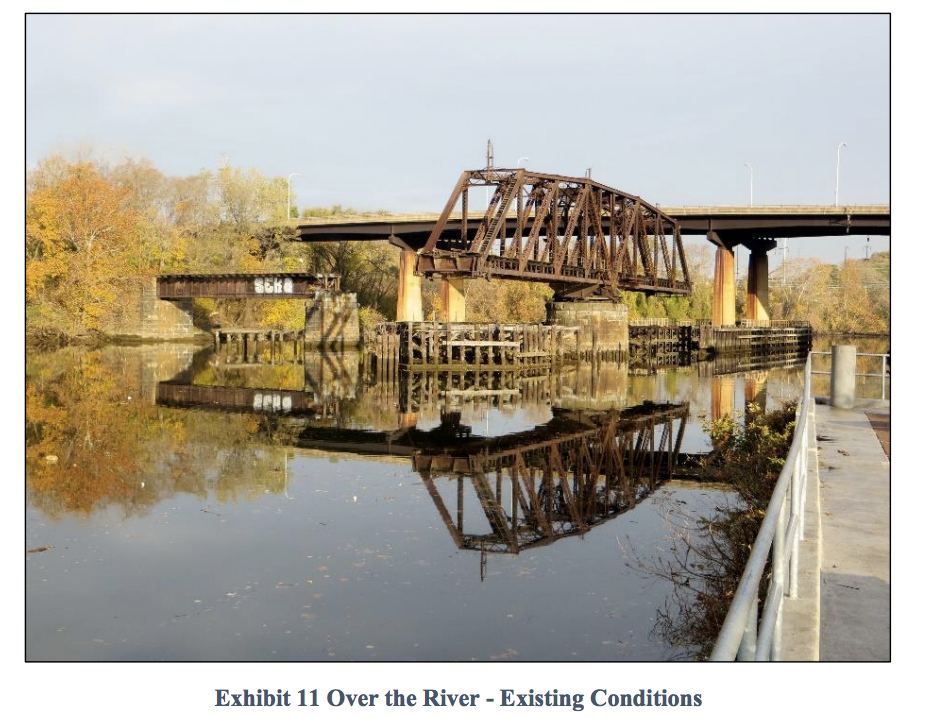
(91, 442)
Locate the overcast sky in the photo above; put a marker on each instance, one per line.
(384, 112)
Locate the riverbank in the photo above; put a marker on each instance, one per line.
(52, 339)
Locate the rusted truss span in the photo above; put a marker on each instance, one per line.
(580, 236)
(280, 285)
(532, 493)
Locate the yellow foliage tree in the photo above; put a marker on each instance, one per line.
(81, 231)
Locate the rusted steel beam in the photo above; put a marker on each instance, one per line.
(274, 285)
(567, 232)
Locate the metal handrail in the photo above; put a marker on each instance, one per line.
(741, 637)
(883, 376)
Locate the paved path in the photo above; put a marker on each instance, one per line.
(844, 610)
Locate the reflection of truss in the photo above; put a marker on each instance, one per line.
(535, 488)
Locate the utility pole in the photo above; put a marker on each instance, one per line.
(490, 166)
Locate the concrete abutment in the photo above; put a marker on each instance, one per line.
(161, 319)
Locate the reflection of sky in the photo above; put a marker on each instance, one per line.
(353, 563)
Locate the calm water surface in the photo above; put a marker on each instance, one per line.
(181, 507)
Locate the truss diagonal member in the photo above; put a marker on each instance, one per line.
(508, 191)
(543, 211)
(443, 510)
(446, 212)
(561, 248)
(496, 516)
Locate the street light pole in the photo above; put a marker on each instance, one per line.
(520, 160)
(751, 184)
(838, 160)
(292, 174)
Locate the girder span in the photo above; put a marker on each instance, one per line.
(580, 236)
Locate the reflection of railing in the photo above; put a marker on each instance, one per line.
(884, 376)
(741, 636)
(662, 322)
(558, 480)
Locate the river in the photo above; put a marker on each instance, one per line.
(179, 507)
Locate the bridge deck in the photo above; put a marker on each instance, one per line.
(776, 221)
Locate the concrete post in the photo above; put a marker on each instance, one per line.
(842, 391)
(409, 289)
(757, 305)
(724, 288)
(453, 299)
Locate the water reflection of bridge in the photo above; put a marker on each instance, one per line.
(562, 479)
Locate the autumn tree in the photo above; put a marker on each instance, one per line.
(81, 235)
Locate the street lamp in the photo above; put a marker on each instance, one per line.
(751, 184)
(838, 159)
(292, 174)
(520, 160)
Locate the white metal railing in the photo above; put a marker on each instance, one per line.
(741, 637)
(884, 376)
(764, 323)
(662, 322)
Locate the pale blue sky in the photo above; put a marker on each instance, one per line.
(385, 111)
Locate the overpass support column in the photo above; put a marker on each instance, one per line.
(453, 299)
(409, 289)
(757, 306)
(724, 288)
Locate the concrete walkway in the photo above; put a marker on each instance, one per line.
(843, 613)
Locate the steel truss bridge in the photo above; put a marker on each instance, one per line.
(581, 237)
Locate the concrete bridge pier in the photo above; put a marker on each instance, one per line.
(409, 289)
(723, 285)
(757, 306)
(453, 299)
(603, 326)
(332, 320)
